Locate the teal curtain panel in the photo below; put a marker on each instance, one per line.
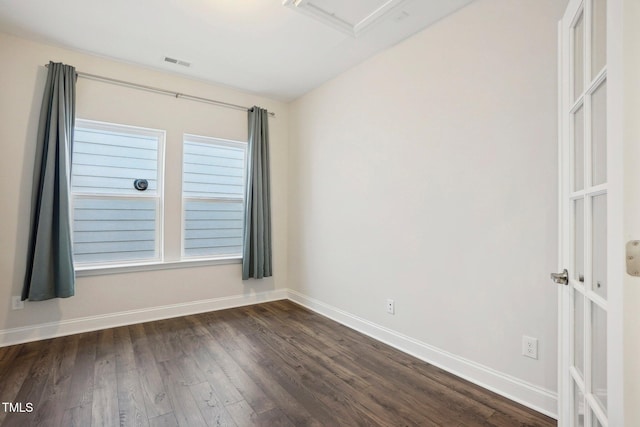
(256, 256)
(50, 272)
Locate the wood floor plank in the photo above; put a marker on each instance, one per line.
(125, 354)
(185, 408)
(189, 370)
(7, 356)
(79, 416)
(155, 396)
(33, 386)
(267, 378)
(105, 363)
(50, 410)
(132, 410)
(166, 420)
(211, 407)
(317, 387)
(81, 388)
(274, 417)
(172, 330)
(242, 414)
(14, 378)
(272, 364)
(441, 403)
(251, 393)
(212, 372)
(143, 355)
(104, 410)
(156, 342)
(352, 404)
(300, 405)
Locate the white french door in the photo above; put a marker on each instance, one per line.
(584, 207)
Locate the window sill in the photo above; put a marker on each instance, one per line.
(87, 271)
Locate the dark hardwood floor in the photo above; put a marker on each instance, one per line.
(274, 364)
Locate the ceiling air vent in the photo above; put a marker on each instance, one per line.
(177, 61)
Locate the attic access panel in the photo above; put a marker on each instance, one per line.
(352, 17)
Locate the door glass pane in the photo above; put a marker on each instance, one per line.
(578, 332)
(578, 406)
(578, 149)
(599, 266)
(578, 248)
(594, 420)
(599, 354)
(599, 134)
(599, 36)
(578, 57)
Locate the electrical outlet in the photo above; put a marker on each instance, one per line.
(391, 306)
(530, 347)
(17, 303)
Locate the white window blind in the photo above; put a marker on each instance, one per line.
(213, 197)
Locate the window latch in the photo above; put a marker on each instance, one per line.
(140, 184)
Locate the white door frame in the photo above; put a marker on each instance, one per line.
(616, 220)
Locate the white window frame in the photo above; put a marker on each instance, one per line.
(159, 196)
(213, 141)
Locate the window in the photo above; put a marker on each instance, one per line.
(213, 197)
(113, 222)
(118, 222)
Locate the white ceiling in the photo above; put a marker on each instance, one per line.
(259, 46)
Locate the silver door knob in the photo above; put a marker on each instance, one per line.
(561, 278)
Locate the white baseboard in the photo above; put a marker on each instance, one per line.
(112, 320)
(530, 395)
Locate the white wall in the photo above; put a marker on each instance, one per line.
(428, 174)
(21, 87)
